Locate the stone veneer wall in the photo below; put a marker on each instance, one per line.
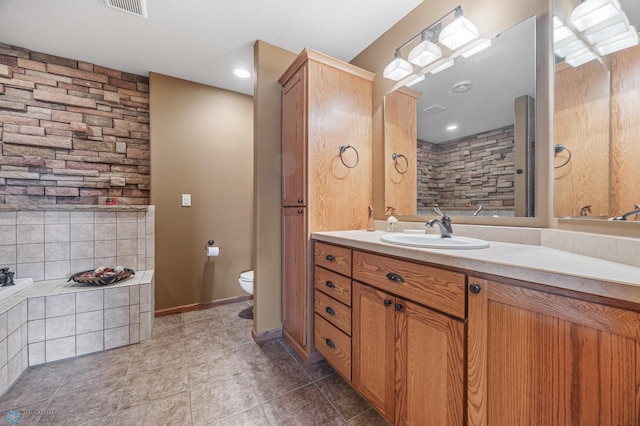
(466, 172)
(71, 132)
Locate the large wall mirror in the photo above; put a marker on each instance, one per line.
(464, 138)
(597, 110)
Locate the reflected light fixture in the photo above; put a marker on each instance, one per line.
(241, 73)
(619, 42)
(478, 46)
(416, 80)
(592, 12)
(442, 67)
(458, 33)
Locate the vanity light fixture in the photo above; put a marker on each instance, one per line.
(458, 33)
(619, 42)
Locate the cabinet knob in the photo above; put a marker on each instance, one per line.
(330, 343)
(395, 277)
(330, 258)
(399, 306)
(299, 200)
(300, 211)
(387, 302)
(475, 288)
(330, 284)
(330, 311)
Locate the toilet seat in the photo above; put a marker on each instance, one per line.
(247, 276)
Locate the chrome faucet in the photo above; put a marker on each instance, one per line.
(6, 277)
(478, 210)
(444, 224)
(626, 215)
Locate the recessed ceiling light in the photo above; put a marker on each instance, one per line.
(241, 73)
(452, 127)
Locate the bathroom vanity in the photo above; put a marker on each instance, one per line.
(511, 334)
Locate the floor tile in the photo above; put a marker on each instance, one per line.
(204, 369)
(282, 375)
(200, 314)
(151, 355)
(343, 397)
(368, 418)
(153, 384)
(223, 398)
(37, 384)
(318, 370)
(303, 407)
(252, 417)
(169, 411)
(102, 366)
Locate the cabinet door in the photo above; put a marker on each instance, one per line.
(294, 164)
(373, 346)
(294, 264)
(429, 367)
(536, 358)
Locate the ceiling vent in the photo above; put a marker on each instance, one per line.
(134, 7)
(434, 109)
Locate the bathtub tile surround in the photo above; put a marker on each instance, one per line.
(199, 368)
(45, 244)
(54, 320)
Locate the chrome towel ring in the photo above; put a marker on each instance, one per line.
(557, 150)
(395, 158)
(343, 148)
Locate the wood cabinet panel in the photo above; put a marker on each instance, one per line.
(334, 345)
(332, 257)
(566, 362)
(332, 284)
(430, 360)
(439, 289)
(294, 267)
(294, 147)
(333, 311)
(374, 347)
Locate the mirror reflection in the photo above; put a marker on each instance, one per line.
(597, 104)
(463, 138)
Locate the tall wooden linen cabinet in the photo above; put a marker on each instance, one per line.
(326, 174)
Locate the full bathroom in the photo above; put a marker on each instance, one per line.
(349, 237)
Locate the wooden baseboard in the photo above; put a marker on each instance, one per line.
(265, 336)
(199, 306)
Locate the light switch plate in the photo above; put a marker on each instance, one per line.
(186, 200)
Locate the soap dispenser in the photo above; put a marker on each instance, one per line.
(391, 220)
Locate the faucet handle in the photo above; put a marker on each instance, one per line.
(440, 212)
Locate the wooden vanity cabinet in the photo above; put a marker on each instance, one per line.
(326, 103)
(536, 358)
(408, 359)
(332, 306)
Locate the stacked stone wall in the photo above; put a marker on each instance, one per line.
(474, 170)
(71, 132)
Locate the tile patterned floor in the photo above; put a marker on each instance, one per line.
(199, 368)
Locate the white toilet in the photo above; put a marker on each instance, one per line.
(246, 281)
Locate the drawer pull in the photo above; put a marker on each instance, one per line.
(330, 284)
(330, 343)
(475, 288)
(330, 311)
(299, 200)
(395, 277)
(398, 307)
(300, 211)
(330, 258)
(387, 302)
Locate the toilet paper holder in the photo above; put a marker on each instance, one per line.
(208, 244)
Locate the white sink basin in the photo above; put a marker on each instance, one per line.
(433, 241)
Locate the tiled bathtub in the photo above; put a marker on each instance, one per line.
(53, 320)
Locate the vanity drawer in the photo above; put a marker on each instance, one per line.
(437, 288)
(334, 345)
(335, 285)
(333, 311)
(335, 258)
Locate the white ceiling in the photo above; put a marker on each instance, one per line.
(196, 40)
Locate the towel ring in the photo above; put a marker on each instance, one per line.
(395, 157)
(343, 148)
(558, 149)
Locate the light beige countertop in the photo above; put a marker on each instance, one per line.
(527, 262)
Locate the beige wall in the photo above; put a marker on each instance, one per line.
(270, 62)
(201, 144)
